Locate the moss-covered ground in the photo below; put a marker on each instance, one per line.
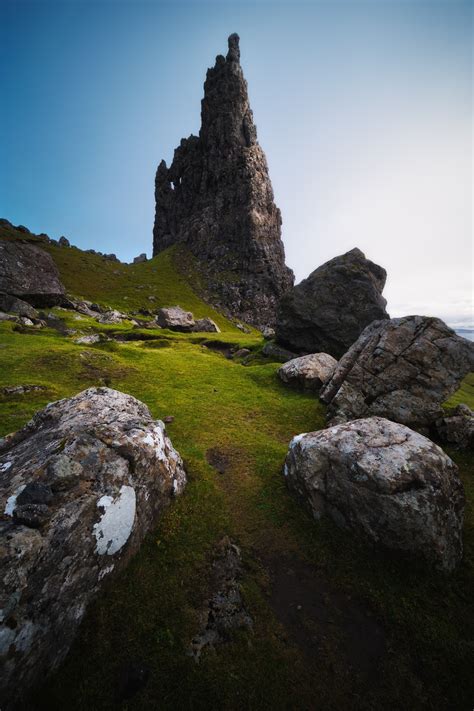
(337, 624)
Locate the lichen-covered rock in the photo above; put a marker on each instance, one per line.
(216, 198)
(206, 325)
(29, 273)
(309, 372)
(402, 369)
(384, 481)
(456, 427)
(176, 319)
(328, 311)
(80, 486)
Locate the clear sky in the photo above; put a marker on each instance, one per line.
(364, 110)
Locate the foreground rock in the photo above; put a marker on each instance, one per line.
(216, 199)
(309, 372)
(29, 273)
(402, 369)
(80, 485)
(328, 311)
(224, 612)
(384, 481)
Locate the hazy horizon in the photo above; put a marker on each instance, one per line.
(363, 109)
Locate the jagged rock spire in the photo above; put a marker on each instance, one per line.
(217, 199)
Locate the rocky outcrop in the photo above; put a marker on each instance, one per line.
(216, 199)
(309, 372)
(29, 273)
(382, 480)
(328, 311)
(402, 369)
(80, 486)
(140, 259)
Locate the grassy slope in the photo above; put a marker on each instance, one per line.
(151, 611)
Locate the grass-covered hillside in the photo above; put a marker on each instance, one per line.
(336, 624)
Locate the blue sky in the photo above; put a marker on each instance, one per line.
(364, 110)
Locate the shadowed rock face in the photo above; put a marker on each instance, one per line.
(217, 199)
(328, 311)
(29, 272)
(80, 486)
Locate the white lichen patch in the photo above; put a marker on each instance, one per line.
(105, 571)
(116, 523)
(297, 439)
(5, 467)
(11, 501)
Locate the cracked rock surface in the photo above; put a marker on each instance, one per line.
(80, 486)
(383, 481)
(217, 199)
(402, 369)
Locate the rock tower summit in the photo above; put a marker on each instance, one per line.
(216, 198)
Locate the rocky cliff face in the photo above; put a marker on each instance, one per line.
(216, 198)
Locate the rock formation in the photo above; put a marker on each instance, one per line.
(384, 481)
(29, 273)
(402, 369)
(328, 311)
(216, 198)
(309, 372)
(81, 484)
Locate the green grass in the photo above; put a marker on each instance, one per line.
(150, 612)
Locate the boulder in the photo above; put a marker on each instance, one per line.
(141, 258)
(402, 369)
(64, 242)
(456, 427)
(309, 372)
(206, 325)
(176, 319)
(29, 273)
(268, 333)
(328, 311)
(13, 305)
(382, 480)
(81, 484)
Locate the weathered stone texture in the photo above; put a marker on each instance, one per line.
(80, 486)
(402, 369)
(384, 481)
(216, 198)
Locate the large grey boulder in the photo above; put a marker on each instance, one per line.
(328, 311)
(456, 427)
(382, 480)
(309, 372)
(80, 486)
(29, 273)
(176, 319)
(402, 369)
